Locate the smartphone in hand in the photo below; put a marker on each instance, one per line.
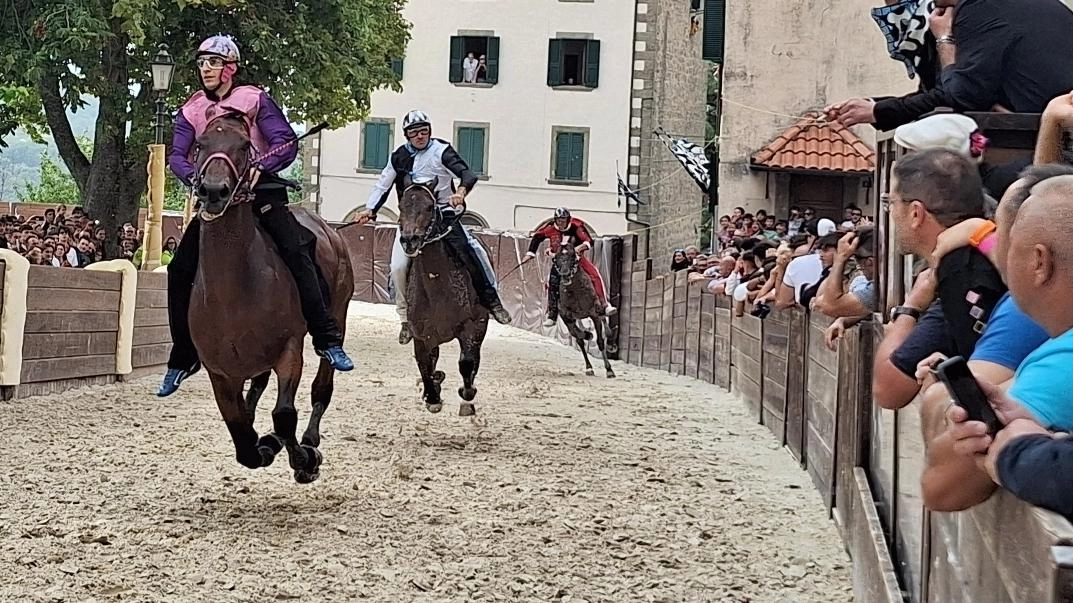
(955, 374)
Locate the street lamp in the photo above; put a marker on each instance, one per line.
(163, 67)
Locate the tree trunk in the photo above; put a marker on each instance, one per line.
(113, 182)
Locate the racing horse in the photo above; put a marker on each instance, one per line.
(245, 315)
(577, 300)
(443, 304)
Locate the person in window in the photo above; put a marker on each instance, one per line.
(482, 69)
(469, 68)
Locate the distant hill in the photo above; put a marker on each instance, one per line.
(20, 161)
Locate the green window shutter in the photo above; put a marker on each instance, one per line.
(592, 64)
(396, 67)
(492, 76)
(577, 156)
(555, 62)
(714, 30)
(376, 139)
(455, 71)
(471, 148)
(569, 156)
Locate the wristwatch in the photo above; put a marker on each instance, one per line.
(897, 311)
(947, 39)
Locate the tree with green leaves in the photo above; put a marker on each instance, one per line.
(319, 59)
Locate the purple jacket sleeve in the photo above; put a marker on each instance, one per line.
(277, 131)
(181, 143)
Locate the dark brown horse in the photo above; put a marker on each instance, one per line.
(577, 300)
(442, 301)
(245, 315)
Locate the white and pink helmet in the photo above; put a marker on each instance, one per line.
(221, 46)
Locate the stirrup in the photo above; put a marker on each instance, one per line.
(550, 322)
(405, 335)
(610, 310)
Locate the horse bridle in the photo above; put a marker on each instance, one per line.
(241, 176)
(437, 218)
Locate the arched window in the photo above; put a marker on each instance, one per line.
(473, 220)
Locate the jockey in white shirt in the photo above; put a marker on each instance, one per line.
(427, 157)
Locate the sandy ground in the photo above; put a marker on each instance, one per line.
(566, 488)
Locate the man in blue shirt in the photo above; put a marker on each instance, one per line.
(953, 482)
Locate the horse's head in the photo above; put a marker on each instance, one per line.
(566, 262)
(418, 216)
(224, 156)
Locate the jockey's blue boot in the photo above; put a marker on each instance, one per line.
(337, 358)
(173, 378)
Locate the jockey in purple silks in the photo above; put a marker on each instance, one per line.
(217, 62)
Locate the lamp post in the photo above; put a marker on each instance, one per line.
(163, 67)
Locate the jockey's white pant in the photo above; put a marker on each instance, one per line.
(400, 269)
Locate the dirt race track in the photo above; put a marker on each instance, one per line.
(569, 488)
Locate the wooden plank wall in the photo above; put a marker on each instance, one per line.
(821, 408)
(707, 365)
(746, 357)
(677, 364)
(650, 349)
(796, 384)
(723, 328)
(666, 334)
(692, 329)
(152, 339)
(775, 335)
(72, 324)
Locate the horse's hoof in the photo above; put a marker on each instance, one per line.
(610, 374)
(466, 410)
(590, 372)
(267, 455)
(306, 477)
(315, 458)
(439, 376)
(467, 394)
(434, 408)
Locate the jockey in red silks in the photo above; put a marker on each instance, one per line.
(568, 229)
(217, 63)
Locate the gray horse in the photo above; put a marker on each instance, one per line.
(577, 300)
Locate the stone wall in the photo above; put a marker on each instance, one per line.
(669, 88)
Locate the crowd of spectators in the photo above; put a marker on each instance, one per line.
(990, 283)
(73, 240)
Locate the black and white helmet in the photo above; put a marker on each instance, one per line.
(562, 212)
(415, 119)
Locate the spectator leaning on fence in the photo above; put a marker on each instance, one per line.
(1024, 456)
(833, 299)
(949, 482)
(932, 190)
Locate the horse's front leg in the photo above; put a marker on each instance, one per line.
(305, 460)
(602, 330)
(581, 336)
(239, 420)
(468, 364)
(427, 356)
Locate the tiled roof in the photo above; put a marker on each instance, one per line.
(816, 146)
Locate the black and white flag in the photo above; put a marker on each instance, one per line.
(625, 191)
(691, 156)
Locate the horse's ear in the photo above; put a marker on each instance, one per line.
(407, 181)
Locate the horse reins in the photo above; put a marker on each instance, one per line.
(243, 175)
